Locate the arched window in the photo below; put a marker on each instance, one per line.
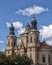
(30, 39)
(8, 43)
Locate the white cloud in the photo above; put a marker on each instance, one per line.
(32, 10)
(8, 24)
(49, 42)
(3, 50)
(21, 30)
(1, 41)
(46, 32)
(17, 24)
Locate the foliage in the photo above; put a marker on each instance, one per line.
(15, 59)
(3, 59)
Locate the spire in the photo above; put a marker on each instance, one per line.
(11, 29)
(34, 23)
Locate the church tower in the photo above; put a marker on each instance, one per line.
(11, 41)
(34, 33)
(33, 44)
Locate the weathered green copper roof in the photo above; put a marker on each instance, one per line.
(28, 24)
(11, 36)
(11, 33)
(34, 20)
(34, 23)
(24, 33)
(11, 30)
(11, 27)
(34, 30)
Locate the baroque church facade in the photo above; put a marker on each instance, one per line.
(29, 44)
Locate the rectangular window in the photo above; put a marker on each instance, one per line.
(30, 39)
(49, 58)
(43, 59)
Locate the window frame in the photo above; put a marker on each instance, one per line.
(30, 39)
(43, 58)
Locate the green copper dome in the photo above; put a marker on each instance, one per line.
(11, 30)
(28, 24)
(34, 20)
(34, 23)
(11, 27)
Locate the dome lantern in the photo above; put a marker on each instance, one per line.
(34, 23)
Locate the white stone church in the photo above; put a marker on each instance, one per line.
(29, 44)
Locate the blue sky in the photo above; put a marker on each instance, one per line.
(20, 12)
